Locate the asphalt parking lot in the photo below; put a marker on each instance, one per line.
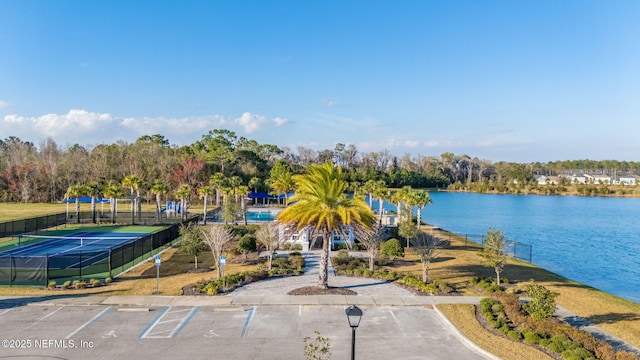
(230, 332)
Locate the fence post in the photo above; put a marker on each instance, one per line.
(80, 269)
(10, 270)
(46, 270)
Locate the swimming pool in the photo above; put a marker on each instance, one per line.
(260, 216)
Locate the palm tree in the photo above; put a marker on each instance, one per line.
(113, 191)
(382, 194)
(370, 188)
(93, 189)
(243, 191)
(420, 199)
(76, 191)
(204, 192)
(320, 202)
(159, 188)
(218, 181)
(234, 182)
(283, 184)
(183, 193)
(133, 182)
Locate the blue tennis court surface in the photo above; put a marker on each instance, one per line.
(74, 243)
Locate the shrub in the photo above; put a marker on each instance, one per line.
(392, 248)
(247, 244)
(342, 254)
(296, 262)
(297, 247)
(95, 282)
(52, 284)
(108, 280)
(577, 354)
(531, 336)
(543, 301)
(79, 284)
(66, 284)
(515, 335)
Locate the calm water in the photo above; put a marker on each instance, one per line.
(595, 241)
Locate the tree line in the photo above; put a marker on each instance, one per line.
(222, 160)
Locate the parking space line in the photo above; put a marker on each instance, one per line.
(397, 323)
(246, 322)
(44, 317)
(153, 323)
(9, 309)
(101, 314)
(163, 329)
(185, 321)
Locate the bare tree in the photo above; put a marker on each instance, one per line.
(216, 236)
(428, 248)
(372, 239)
(269, 236)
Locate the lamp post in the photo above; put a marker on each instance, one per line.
(354, 314)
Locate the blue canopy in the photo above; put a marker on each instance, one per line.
(261, 195)
(85, 199)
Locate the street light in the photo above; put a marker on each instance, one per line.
(354, 314)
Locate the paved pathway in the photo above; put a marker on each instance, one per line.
(281, 286)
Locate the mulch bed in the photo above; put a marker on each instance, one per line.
(314, 290)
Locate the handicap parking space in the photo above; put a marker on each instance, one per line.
(217, 323)
(120, 323)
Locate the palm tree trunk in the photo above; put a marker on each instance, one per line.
(113, 210)
(204, 214)
(139, 204)
(78, 209)
(159, 213)
(323, 276)
(93, 209)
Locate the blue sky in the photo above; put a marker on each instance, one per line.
(499, 80)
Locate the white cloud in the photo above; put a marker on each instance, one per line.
(84, 127)
(4, 104)
(280, 121)
(250, 122)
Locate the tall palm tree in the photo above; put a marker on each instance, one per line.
(370, 187)
(381, 193)
(94, 190)
(218, 181)
(183, 193)
(204, 192)
(159, 188)
(243, 191)
(133, 182)
(320, 202)
(76, 191)
(420, 199)
(234, 182)
(113, 191)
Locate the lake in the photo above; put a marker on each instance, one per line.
(592, 240)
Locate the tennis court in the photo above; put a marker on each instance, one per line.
(38, 259)
(71, 243)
